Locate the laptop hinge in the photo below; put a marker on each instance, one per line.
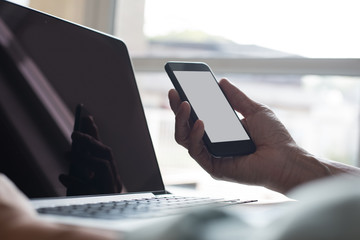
(161, 192)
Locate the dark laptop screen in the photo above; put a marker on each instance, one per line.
(47, 67)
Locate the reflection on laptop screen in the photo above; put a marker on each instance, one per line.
(47, 67)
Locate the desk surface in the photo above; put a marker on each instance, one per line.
(222, 189)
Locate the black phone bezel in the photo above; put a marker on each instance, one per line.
(217, 149)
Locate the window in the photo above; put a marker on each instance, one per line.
(301, 58)
(298, 57)
(259, 28)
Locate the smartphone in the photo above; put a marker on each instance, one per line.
(80, 113)
(224, 132)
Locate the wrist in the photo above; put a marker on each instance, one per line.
(337, 168)
(301, 167)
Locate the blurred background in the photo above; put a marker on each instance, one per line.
(301, 58)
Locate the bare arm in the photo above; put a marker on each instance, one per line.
(18, 220)
(278, 163)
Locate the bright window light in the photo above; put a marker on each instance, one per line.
(322, 28)
(21, 2)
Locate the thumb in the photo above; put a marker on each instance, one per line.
(238, 100)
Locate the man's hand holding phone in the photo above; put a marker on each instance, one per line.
(93, 170)
(224, 133)
(273, 164)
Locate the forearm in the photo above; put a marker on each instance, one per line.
(40, 230)
(304, 167)
(340, 168)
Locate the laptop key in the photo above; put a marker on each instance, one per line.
(138, 208)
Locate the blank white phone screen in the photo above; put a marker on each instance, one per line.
(211, 106)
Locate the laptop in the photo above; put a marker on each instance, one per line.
(47, 67)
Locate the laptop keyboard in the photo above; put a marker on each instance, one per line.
(138, 208)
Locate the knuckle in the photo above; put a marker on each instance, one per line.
(194, 152)
(182, 142)
(178, 118)
(215, 175)
(178, 139)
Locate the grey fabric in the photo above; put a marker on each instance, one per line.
(326, 209)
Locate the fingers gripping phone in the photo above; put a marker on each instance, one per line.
(80, 125)
(80, 113)
(224, 132)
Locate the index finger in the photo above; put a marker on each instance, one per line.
(174, 100)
